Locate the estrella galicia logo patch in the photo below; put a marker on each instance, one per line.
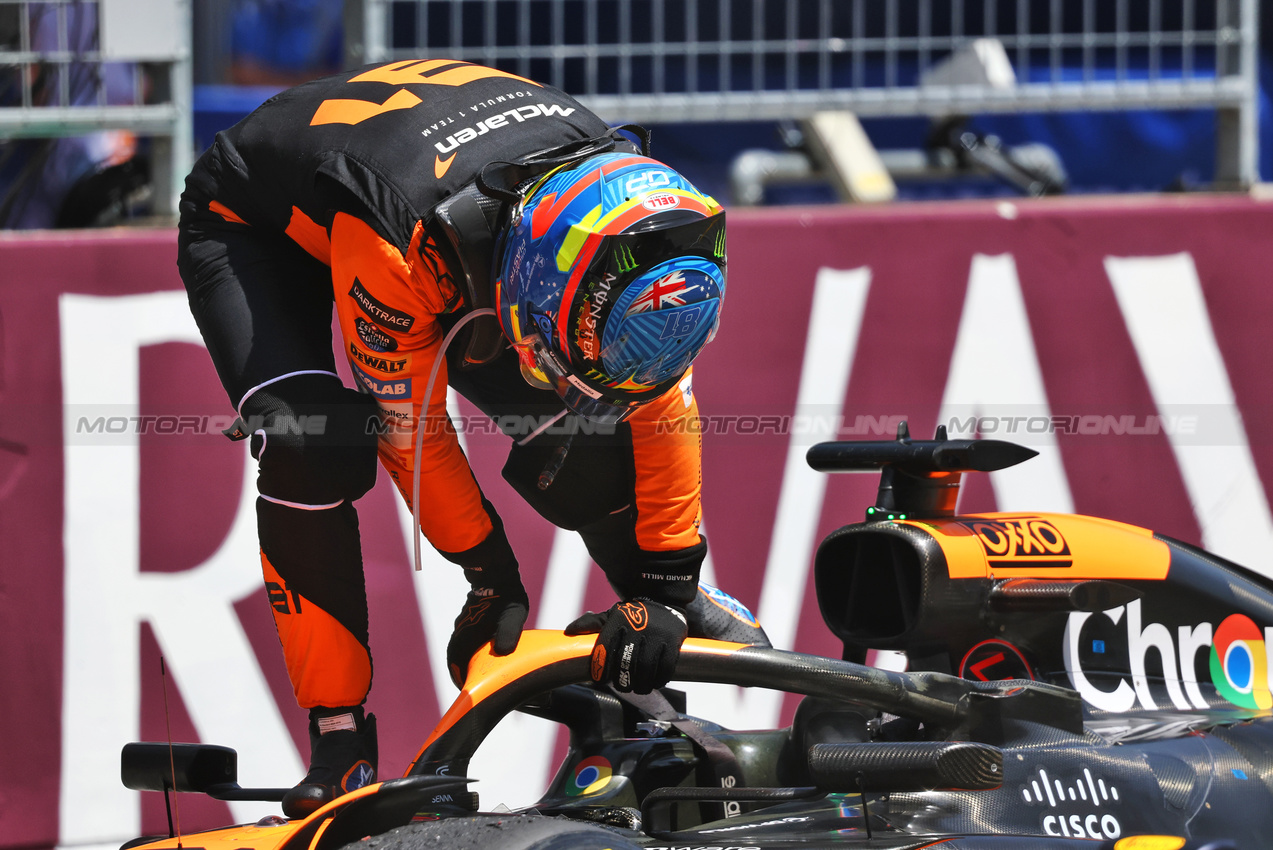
(380, 313)
(373, 337)
(729, 604)
(1027, 541)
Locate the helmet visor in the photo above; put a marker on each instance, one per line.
(623, 257)
(542, 368)
(619, 260)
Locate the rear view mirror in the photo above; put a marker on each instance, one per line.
(177, 767)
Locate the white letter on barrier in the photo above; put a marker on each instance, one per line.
(107, 597)
(995, 342)
(835, 320)
(1166, 315)
(527, 741)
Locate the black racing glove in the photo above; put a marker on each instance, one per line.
(494, 610)
(638, 645)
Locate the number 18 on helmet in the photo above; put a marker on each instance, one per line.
(611, 281)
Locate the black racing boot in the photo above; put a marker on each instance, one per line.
(343, 757)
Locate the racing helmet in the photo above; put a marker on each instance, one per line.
(609, 281)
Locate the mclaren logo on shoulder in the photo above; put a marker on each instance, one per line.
(508, 118)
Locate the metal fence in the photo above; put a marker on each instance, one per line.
(728, 60)
(76, 67)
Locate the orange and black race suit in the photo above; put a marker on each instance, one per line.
(325, 192)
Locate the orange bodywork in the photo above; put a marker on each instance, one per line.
(1049, 546)
(537, 647)
(263, 837)
(487, 674)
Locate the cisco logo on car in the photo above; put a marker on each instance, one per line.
(1087, 791)
(1079, 826)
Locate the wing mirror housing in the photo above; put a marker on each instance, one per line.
(150, 766)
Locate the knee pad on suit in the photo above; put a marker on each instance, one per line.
(315, 440)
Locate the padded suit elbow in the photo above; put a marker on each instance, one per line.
(314, 438)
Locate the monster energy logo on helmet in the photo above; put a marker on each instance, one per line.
(623, 259)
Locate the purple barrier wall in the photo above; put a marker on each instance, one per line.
(1124, 340)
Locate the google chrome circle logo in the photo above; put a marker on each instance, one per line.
(1239, 663)
(591, 775)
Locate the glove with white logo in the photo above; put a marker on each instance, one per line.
(494, 610)
(638, 645)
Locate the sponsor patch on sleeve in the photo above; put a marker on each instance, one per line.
(388, 389)
(378, 362)
(380, 313)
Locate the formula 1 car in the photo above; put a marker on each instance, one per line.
(1072, 682)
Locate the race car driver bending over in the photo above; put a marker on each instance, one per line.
(571, 279)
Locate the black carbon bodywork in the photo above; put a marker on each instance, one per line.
(1071, 683)
(1059, 782)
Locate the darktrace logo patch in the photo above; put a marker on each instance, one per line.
(373, 337)
(380, 313)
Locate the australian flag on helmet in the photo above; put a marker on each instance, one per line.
(611, 281)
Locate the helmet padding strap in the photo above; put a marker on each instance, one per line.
(499, 179)
(466, 221)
